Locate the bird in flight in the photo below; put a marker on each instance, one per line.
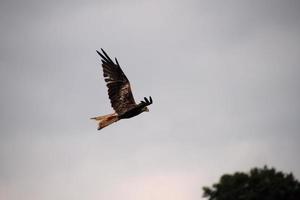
(119, 93)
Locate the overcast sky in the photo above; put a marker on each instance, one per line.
(224, 77)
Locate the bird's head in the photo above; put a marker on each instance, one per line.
(145, 109)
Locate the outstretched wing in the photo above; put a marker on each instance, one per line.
(119, 90)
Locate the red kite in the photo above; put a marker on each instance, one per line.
(119, 93)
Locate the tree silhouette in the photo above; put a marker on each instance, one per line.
(258, 184)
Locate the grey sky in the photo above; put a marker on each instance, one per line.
(224, 77)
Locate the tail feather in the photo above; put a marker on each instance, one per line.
(106, 120)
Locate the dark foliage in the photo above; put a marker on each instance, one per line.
(258, 184)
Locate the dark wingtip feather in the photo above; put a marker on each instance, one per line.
(105, 59)
(102, 50)
(99, 53)
(117, 62)
(106, 56)
(145, 99)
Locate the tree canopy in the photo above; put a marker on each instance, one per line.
(258, 184)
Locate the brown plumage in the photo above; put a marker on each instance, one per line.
(119, 92)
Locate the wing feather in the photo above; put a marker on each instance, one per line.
(119, 90)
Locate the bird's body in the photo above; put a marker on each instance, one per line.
(133, 112)
(119, 92)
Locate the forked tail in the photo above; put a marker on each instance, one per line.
(106, 120)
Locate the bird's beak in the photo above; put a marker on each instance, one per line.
(146, 109)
